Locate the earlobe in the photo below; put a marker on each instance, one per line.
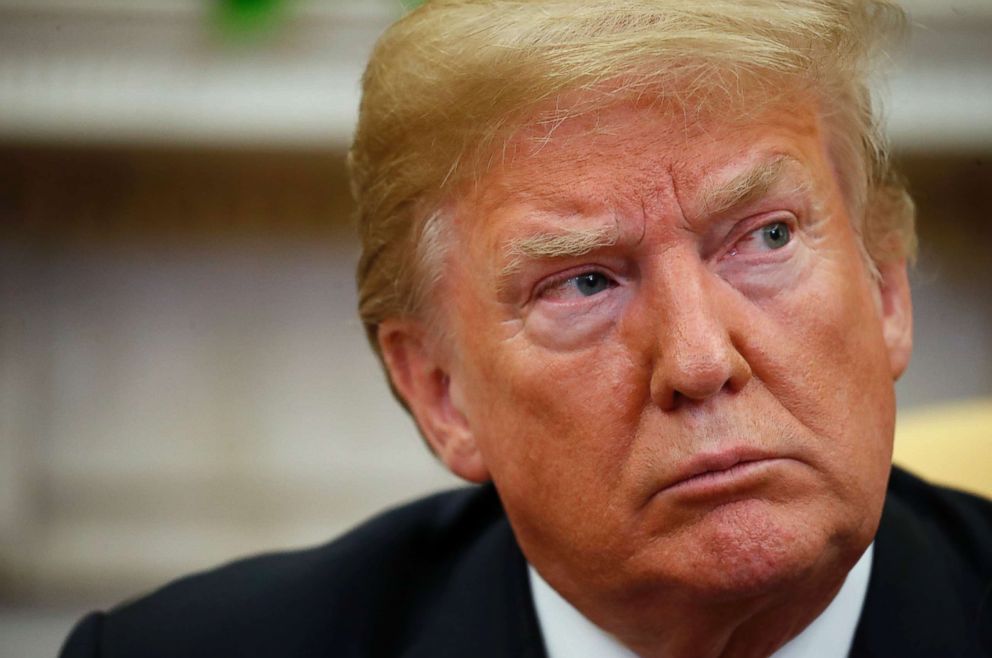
(897, 315)
(424, 381)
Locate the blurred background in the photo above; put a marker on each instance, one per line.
(183, 378)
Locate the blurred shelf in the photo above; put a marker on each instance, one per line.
(164, 72)
(118, 71)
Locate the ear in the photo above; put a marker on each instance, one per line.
(897, 314)
(423, 379)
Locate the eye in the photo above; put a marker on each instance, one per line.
(586, 284)
(769, 237)
(775, 236)
(589, 283)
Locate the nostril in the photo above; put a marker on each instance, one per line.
(702, 380)
(696, 336)
(698, 375)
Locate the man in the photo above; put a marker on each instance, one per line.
(640, 265)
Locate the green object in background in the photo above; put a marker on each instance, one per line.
(412, 4)
(249, 18)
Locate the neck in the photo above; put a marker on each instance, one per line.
(667, 626)
(744, 630)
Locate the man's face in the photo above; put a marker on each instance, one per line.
(670, 355)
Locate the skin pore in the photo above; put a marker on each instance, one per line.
(670, 357)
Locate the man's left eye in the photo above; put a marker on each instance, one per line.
(769, 237)
(775, 236)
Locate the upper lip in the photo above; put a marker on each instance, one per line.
(714, 462)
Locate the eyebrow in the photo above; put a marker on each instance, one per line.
(563, 243)
(747, 186)
(717, 198)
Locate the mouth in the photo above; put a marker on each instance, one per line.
(723, 473)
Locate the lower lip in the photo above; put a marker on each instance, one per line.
(736, 479)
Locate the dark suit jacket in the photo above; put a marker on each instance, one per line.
(444, 577)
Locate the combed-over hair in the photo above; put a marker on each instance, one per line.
(453, 78)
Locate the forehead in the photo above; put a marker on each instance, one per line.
(635, 155)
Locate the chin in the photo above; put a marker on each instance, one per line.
(752, 548)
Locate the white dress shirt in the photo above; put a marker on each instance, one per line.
(567, 634)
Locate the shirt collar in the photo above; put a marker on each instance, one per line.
(567, 634)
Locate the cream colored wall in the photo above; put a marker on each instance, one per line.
(170, 409)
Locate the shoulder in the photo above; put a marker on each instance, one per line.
(948, 521)
(930, 592)
(303, 602)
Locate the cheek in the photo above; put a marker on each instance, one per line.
(830, 372)
(557, 437)
(572, 410)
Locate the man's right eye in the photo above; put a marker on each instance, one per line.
(590, 283)
(586, 284)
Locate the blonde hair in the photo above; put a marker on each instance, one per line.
(449, 81)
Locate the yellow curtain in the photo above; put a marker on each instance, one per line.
(948, 444)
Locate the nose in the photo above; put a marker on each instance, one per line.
(696, 353)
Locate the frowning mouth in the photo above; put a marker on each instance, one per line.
(722, 473)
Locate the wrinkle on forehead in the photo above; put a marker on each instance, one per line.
(564, 179)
